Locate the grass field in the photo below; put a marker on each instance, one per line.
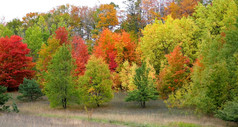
(117, 113)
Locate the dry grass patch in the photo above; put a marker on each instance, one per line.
(156, 113)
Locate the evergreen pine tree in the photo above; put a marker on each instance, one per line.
(3, 97)
(30, 90)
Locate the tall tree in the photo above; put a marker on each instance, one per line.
(14, 64)
(182, 8)
(107, 16)
(80, 53)
(96, 83)
(59, 87)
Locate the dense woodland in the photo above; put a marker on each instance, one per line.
(182, 51)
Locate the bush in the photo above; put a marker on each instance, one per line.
(3, 98)
(230, 111)
(30, 90)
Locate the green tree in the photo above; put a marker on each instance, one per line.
(15, 25)
(214, 81)
(145, 87)
(5, 31)
(96, 83)
(30, 90)
(59, 87)
(34, 40)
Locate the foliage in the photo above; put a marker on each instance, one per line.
(145, 87)
(14, 107)
(5, 31)
(30, 90)
(96, 83)
(4, 97)
(184, 8)
(80, 53)
(214, 83)
(14, 64)
(62, 34)
(230, 111)
(14, 25)
(45, 56)
(214, 19)
(115, 48)
(59, 87)
(34, 40)
(175, 74)
(107, 16)
(127, 75)
(161, 38)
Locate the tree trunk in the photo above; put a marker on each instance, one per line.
(64, 101)
(143, 104)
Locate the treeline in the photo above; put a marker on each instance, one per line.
(184, 52)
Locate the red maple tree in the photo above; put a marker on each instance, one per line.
(61, 34)
(80, 54)
(115, 48)
(14, 64)
(174, 75)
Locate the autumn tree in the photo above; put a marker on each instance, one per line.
(14, 64)
(30, 19)
(145, 87)
(96, 84)
(62, 34)
(175, 74)
(48, 50)
(80, 53)
(214, 81)
(161, 38)
(115, 48)
(183, 8)
(59, 86)
(134, 22)
(107, 16)
(152, 9)
(45, 56)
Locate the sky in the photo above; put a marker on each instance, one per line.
(10, 9)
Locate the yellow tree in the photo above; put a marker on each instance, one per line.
(160, 39)
(107, 16)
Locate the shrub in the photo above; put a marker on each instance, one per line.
(30, 90)
(3, 98)
(229, 112)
